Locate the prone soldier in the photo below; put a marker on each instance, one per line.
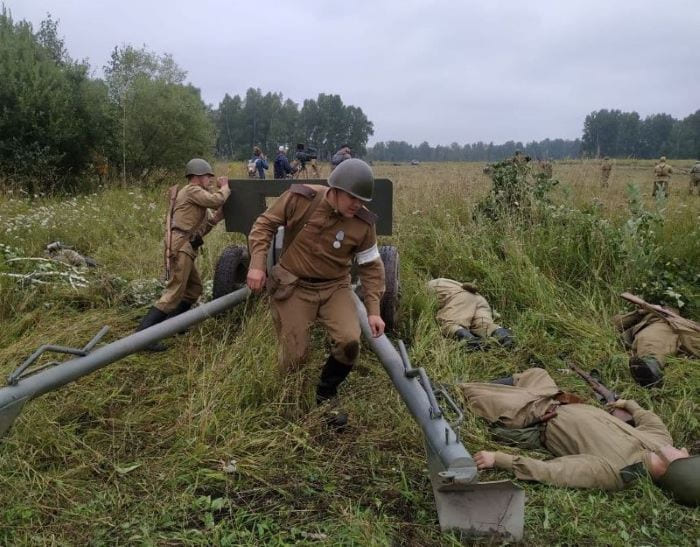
(325, 229)
(592, 448)
(190, 221)
(652, 337)
(466, 315)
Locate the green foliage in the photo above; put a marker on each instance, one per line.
(54, 116)
(162, 121)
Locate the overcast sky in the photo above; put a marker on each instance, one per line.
(440, 71)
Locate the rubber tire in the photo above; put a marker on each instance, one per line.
(389, 305)
(231, 270)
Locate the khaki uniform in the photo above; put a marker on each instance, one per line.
(191, 218)
(695, 179)
(594, 449)
(662, 175)
(462, 307)
(605, 169)
(313, 276)
(648, 334)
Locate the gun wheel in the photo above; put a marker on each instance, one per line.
(231, 270)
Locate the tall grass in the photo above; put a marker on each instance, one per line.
(143, 451)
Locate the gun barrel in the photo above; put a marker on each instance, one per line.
(13, 397)
(458, 465)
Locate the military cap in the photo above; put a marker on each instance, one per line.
(198, 166)
(355, 177)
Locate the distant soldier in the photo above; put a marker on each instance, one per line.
(605, 169)
(466, 315)
(652, 338)
(592, 448)
(695, 178)
(662, 174)
(190, 222)
(343, 153)
(546, 168)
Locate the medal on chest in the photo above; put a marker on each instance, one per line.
(339, 237)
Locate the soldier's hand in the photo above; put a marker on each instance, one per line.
(376, 324)
(485, 460)
(256, 280)
(222, 181)
(620, 403)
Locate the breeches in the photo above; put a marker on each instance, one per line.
(329, 303)
(184, 283)
(656, 339)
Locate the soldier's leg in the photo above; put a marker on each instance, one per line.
(293, 318)
(338, 314)
(534, 379)
(483, 325)
(650, 348)
(181, 268)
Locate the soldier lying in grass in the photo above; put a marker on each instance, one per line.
(593, 449)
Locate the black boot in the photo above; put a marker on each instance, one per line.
(505, 381)
(504, 337)
(646, 371)
(471, 341)
(182, 307)
(332, 375)
(153, 317)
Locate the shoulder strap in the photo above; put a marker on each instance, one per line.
(290, 236)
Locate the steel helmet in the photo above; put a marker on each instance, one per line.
(355, 177)
(663, 158)
(198, 166)
(682, 480)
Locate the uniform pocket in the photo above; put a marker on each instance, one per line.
(281, 283)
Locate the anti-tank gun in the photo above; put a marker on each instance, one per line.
(463, 503)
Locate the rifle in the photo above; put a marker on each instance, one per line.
(603, 394)
(172, 196)
(662, 312)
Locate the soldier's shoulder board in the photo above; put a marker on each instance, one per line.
(368, 216)
(303, 190)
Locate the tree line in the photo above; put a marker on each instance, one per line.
(59, 123)
(480, 151)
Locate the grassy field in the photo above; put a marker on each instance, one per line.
(206, 444)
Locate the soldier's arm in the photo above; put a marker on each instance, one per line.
(578, 471)
(264, 229)
(371, 271)
(199, 196)
(647, 421)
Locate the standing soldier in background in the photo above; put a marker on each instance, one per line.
(546, 168)
(466, 315)
(190, 221)
(325, 229)
(694, 179)
(662, 174)
(605, 169)
(343, 153)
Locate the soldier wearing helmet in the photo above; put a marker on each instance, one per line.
(605, 169)
(592, 448)
(191, 220)
(662, 175)
(326, 229)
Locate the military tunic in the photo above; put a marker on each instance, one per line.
(649, 334)
(461, 307)
(191, 218)
(594, 449)
(313, 282)
(662, 175)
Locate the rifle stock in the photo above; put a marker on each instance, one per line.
(662, 312)
(608, 395)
